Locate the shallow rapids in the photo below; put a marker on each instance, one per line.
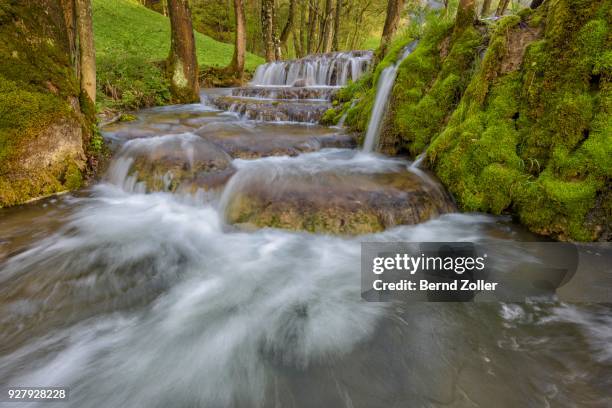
(145, 297)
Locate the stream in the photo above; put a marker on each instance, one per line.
(160, 286)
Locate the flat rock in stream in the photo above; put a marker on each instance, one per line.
(162, 121)
(247, 140)
(337, 203)
(177, 163)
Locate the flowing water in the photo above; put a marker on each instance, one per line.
(137, 292)
(294, 91)
(384, 86)
(333, 69)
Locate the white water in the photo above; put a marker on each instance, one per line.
(334, 69)
(152, 300)
(383, 91)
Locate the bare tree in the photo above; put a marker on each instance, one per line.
(288, 25)
(327, 27)
(486, 6)
(303, 29)
(313, 16)
(267, 28)
(237, 64)
(466, 13)
(182, 63)
(87, 52)
(394, 11)
(501, 8)
(337, 15)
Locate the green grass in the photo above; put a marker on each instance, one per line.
(370, 43)
(131, 41)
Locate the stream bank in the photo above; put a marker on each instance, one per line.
(514, 115)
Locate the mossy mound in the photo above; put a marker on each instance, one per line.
(44, 130)
(532, 134)
(334, 203)
(515, 117)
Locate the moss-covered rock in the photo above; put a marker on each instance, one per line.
(515, 117)
(45, 129)
(532, 133)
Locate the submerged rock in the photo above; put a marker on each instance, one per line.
(156, 121)
(337, 203)
(242, 140)
(303, 111)
(288, 93)
(177, 163)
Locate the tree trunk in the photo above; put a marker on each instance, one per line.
(336, 40)
(182, 62)
(535, 4)
(288, 25)
(501, 8)
(237, 64)
(313, 14)
(303, 28)
(327, 26)
(267, 28)
(68, 8)
(466, 13)
(394, 12)
(486, 6)
(87, 52)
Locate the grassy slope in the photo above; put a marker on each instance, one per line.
(130, 40)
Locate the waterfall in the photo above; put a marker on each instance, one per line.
(332, 69)
(383, 91)
(416, 164)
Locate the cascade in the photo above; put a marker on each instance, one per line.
(383, 92)
(331, 69)
(297, 90)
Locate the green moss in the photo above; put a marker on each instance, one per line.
(536, 141)
(525, 129)
(429, 86)
(37, 90)
(73, 178)
(363, 91)
(329, 117)
(127, 117)
(23, 113)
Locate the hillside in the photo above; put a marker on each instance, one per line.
(131, 40)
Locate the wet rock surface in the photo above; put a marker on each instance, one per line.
(177, 163)
(248, 141)
(330, 202)
(286, 93)
(304, 111)
(162, 121)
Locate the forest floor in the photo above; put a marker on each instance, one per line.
(131, 45)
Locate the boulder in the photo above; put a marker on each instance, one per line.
(176, 163)
(336, 203)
